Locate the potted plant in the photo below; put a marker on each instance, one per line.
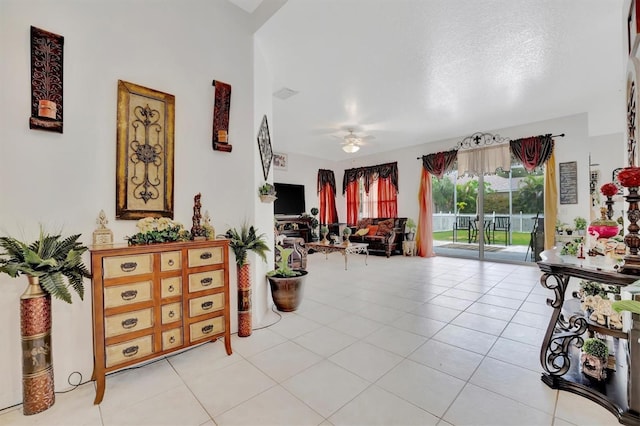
(324, 230)
(568, 230)
(286, 284)
(580, 224)
(314, 224)
(241, 243)
(410, 228)
(267, 193)
(594, 358)
(52, 265)
(346, 233)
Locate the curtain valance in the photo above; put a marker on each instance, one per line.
(532, 152)
(370, 174)
(439, 163)
(484, 160)
(326, 177)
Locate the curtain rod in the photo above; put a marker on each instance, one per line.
(561, 135)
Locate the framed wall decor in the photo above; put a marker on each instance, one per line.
(264, 144)
(145, 150)
(633, 71)
(633, 28)
(46, 80)
(569, 182)
(280, 161)
(221, 107)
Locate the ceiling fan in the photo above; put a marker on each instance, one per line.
(351, 142)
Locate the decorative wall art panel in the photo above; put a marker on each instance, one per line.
(633, 28)
(264, 143)
(46, 80)
(280, 161)
(569, 182)
(221, 108)
(145, 150)
(633, 71)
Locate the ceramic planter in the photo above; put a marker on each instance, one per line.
(287, 292)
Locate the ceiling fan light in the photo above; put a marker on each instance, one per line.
(350, 148)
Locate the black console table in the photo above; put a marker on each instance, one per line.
(560, 354)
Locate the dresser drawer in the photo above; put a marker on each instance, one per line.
(122, 295)
(207, 328)
(171, 312)
(205, 256)
(170, 287)
(171, 338)
(124, 266)
(129, 351)
(206, 280)
(206, 304)
(171, 261)
(127, 322)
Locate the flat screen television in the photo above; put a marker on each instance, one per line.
(290, 199)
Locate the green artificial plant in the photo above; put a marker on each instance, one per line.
(595, 347)
(246, 240)
(50, 259)
(283, 270)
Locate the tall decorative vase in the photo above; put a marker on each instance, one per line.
(244, 300)
(37, 364)
(629, 177)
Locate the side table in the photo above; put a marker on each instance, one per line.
(409, 248)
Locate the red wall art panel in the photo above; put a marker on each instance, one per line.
(46, 80)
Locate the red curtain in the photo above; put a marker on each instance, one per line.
(424, 242)
(353, 201)
(328, 212)
(387, 198)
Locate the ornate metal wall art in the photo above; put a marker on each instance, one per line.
(46, 80)
(632, 95)
(264, 143)
(144, 163)
(480, 139)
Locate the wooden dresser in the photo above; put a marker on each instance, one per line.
(150, 300)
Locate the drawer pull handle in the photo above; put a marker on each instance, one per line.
(129, 294)
(130, 351)
(206, 281)
(171, 288)
(172, 339)
(207, 329)
(172, 314)
(170, 262)
(206, 255)
(130, 323)
(128, 266)
(207, 305)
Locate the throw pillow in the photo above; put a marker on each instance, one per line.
(362, 232)
(385, 227)
(373, 229)
(363, 223)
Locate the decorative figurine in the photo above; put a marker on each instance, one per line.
(102, 235)
(197, 231)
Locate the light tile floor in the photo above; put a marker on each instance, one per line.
(400, 341)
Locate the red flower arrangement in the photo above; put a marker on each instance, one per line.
(629, 177)
(609, 189)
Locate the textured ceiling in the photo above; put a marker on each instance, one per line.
(412, 72)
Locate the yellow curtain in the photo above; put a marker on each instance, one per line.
(424, 240)
(550, 201)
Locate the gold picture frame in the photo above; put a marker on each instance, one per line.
(145, 151)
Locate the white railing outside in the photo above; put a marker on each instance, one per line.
(520, 222)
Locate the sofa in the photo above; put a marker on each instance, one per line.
(384, 235)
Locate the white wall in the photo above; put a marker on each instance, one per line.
(303, 170)
(64, 180)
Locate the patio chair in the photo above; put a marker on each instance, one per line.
(501, 223)
(462, 223)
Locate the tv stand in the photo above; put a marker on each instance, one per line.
(294, 226)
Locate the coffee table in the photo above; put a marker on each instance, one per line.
(352, 248)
